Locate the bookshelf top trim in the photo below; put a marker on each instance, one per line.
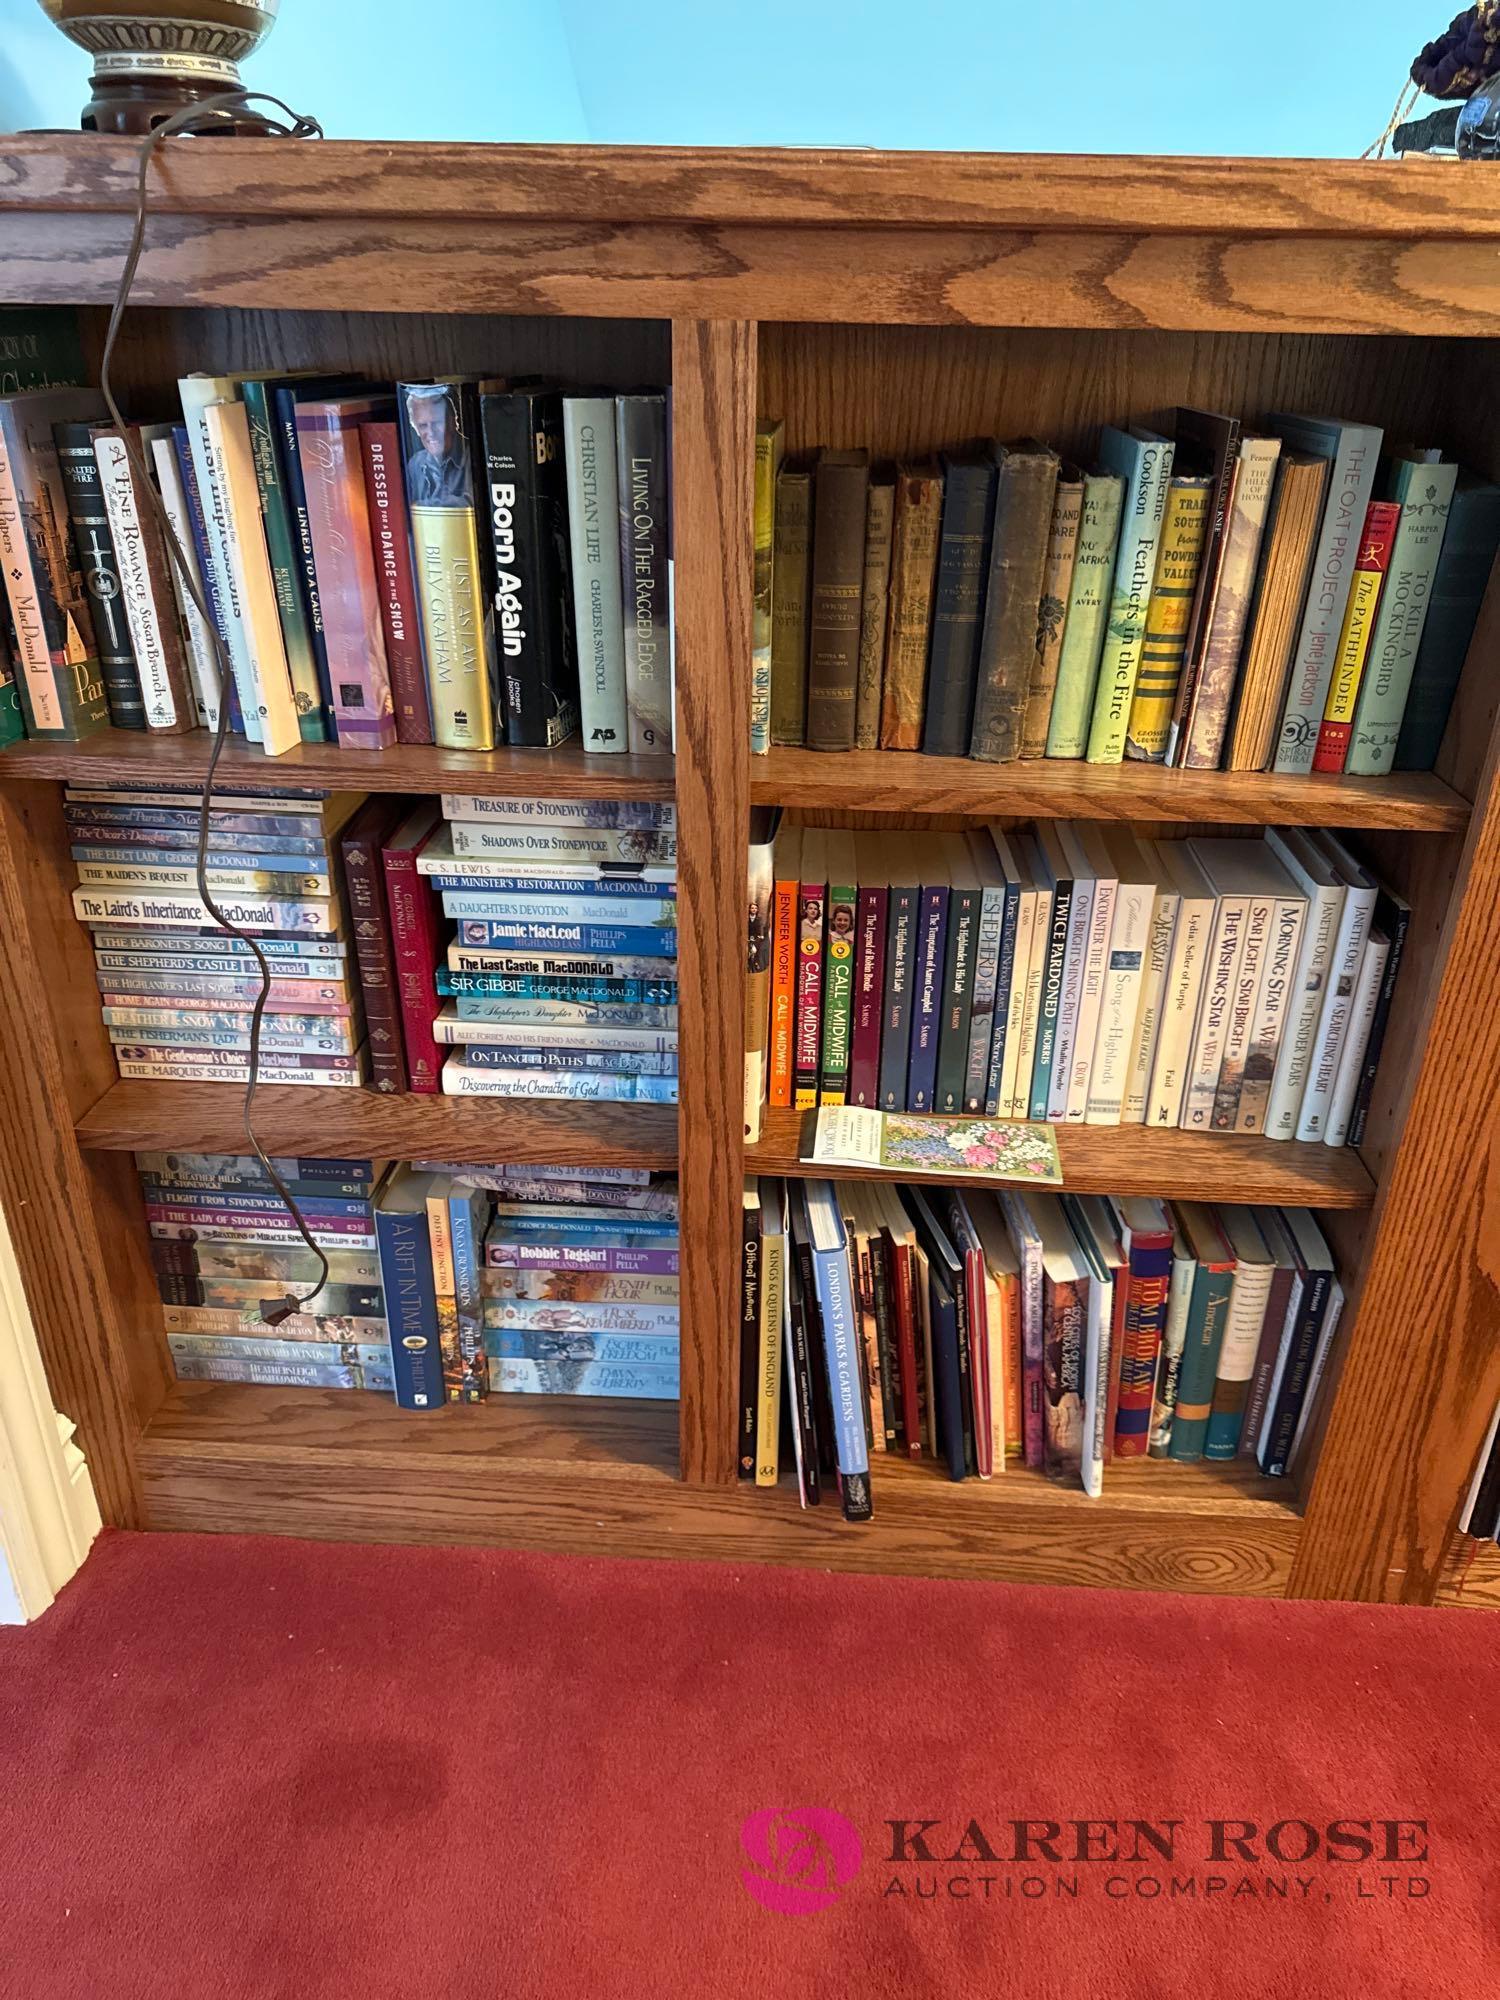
(1416, 199)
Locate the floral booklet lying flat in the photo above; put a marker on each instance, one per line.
(950, 1148)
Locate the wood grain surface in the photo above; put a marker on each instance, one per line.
(1471, 1575)
(713, 445)
(1130, 1159)
(897, 781)
(141, 1116)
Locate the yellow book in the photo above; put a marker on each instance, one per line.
(439, 432)
(1184, 531)
(1381, 521)
(767, 466)
(445, 1285)
(773, 1300)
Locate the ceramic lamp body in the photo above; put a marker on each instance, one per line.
(151, 57)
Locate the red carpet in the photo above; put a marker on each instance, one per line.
(267, 1768)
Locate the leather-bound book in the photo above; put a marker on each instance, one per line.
(1025, 487)
(914, 554)
(958, 601)
(840, 493)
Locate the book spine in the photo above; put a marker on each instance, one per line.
(1050, 1004)
(1333, 1021)
(1018, 1056)
(593, 515)
(1282, 1301)
(874, 607)
(1220, 974)
(145, 590)
(369, 918)
(1426, 497)
(964, 912)
(914, 558)
(1394, 920)
(440, 1244)
(1271, 1013)
(987, 956)
(927, 1009)
(1070, 997)
(869, 996)
(533, 588)
(1320, 934)
(198, 632)
(187, 446)
(1052, 611)
(1113, 1066)
(1024, 492)
(1376, 543)
(603, 940)
(411, 1306)
(95, 549)
(767, 460)
(836, 1307)
(611, 815)
(1199, 745)
(596, 1379)
(809, 994)
(285, 556)
(800, 1371)
(333, 475)
(1169, 1358)
(414, 947)
(645, 561)
(896, 1012)
(1184, 529)
(266, 687)
(840, 505)
(792, 572)
(1300, 1345)
(1240, 1019)
(540, 1055)
(1207, 1317)
(199, 453)
(1357, 1040)
(1328, 593)
(957, 608)
(283, 406)
(1066, 1310)
(1130, 595)
(59, 682)
(1087, 616)
(395, 581)
(1147, 1285)
(1012, 956)
(768, 1371)
(1096, 966)
(1458, 587)
(1236, 1362)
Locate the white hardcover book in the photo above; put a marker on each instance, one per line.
(1115, 1044)
(202, 659)
(196, 393)
(594, 533)
(1254, 1268)
(1095, 967)
(1173, 1344)
(1357, 1039)
(1075, 863)
(1166, 902)
(1288, 918)
(1221, 973)
(1094, 1227)
(1354, 450)
(1020, 1061)
(1319, 883)
(1343, 976)
(1479, 1471)
(228, 433)
(1243, 1005)
(1186, 977)
(142, 613)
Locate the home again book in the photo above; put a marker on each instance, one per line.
(527, 511)
(840, 504)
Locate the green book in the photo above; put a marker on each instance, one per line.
(1144, 463)
(286, 562)
(1424, 490)
(838, 967)
(1088, 611)
(1208, 1314)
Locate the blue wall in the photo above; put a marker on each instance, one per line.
(1127, 76)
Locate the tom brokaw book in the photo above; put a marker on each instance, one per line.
(441, 442)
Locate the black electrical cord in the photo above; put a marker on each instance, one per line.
(209, 114)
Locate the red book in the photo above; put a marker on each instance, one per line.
(395, 580)
(416, 942)
(1376, 541)
(338, 519)
(360, 848)
(869, 996)
(1146, 1238)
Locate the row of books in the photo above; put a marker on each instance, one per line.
(456, 561)
(445, 1281)
(177, 993)
(1058, 1332)
(1200, 596)
(1075, 974)
(560, 972)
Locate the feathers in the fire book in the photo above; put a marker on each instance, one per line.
(528, 515)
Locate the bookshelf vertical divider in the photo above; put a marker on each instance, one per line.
(901, 302)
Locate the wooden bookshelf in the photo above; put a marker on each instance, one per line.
(899, 302)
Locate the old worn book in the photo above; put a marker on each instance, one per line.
(791, 576)
(1183, 531)
(1087, 615)
(1207, 441)
(840, 490)
(1052, 612)
(1197, 739)
(768, 447)
(1377, 542)
(914, 556)
(1025, 487)
(879, 523)
(1144, 461)
(958, 601)
(1286, 559)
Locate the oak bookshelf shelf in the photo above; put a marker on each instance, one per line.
(885, 781)
(1176, 1166)
(863, 299)
(208, 1118)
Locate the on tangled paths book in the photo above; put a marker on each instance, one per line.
(1025, 488)
(914, 557)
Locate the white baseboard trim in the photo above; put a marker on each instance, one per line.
(48, 1515)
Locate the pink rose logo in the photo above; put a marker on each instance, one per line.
(800, 1860)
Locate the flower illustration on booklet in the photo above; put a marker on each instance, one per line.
(847, 1135)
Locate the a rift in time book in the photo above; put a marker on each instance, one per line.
(1207, 591)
